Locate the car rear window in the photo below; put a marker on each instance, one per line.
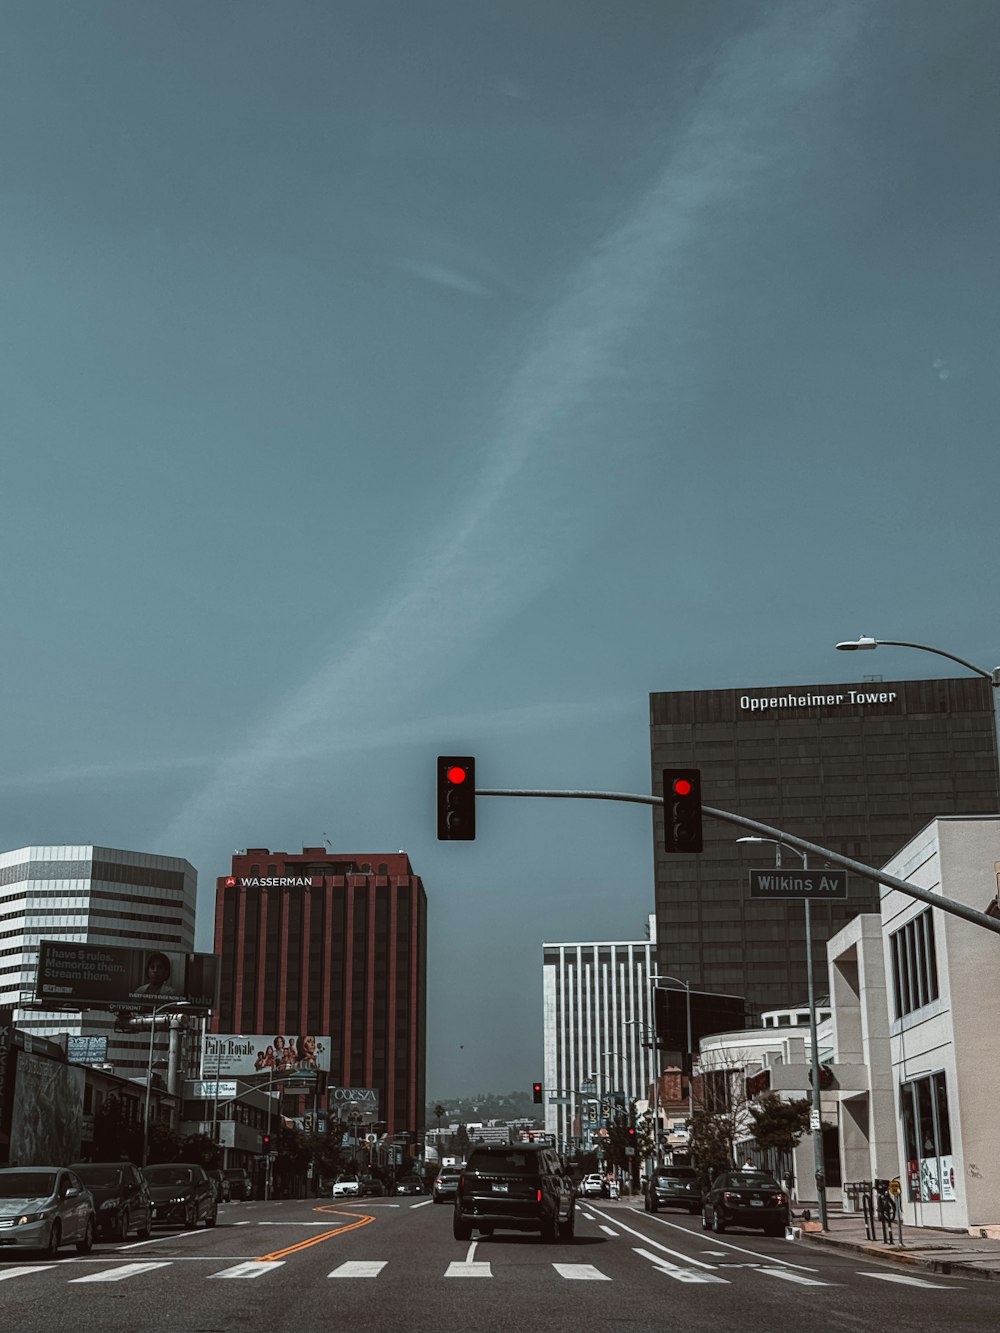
(678, 1173)
(749, 1180)
(512, 1163)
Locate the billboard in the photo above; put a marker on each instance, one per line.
(47, 1120)
(233, 1055)
(103, 976)
(86, 1050)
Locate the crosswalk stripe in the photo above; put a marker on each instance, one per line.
(120, 1273)
(789, 1276)
(585, 1272)
(359, 1268)
(910, 1281)
(20, 1272)
(677, 1272)
(462, 1268)
(609, 1232)
(255, 1268)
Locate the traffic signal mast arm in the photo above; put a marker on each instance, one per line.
(791, 840)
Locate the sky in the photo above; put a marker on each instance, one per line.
(383, 380)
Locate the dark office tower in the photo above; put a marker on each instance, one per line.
(327, 943)
(856, 768)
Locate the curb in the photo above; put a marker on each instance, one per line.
(943, 1266)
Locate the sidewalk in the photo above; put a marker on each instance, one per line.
(946, 1252)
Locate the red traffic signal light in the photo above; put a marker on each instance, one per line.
(536, 1092)
(682, 810)
(265, 1142)
(631, 1132)
(456, 798)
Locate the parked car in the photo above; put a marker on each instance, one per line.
(593, 1186)
(519, 1187)
(222, 1191)
(445, 1184)
(182, 1193)
(410, 1185)
(43, 1207)
(239, 1183)
(346, 1187)
(673, 1187)
(121, 1198)
(371, 1186)
(745, 1199)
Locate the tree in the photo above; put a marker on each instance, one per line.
(723, 1120)
(776, 1127)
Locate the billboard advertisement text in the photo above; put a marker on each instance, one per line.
(103, 976)
(233, 1055)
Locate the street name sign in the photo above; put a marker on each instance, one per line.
(778, 883)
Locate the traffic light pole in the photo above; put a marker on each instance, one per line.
(792, 840)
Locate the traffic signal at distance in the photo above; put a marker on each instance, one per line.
(456, 798)
(682, 809)
(265, 1142)
(536, 1092)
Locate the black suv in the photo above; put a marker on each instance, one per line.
(515, 1187)
(121, 1198)
(673, 1187)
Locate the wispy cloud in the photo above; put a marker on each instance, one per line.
(510, 526)
(443, 276)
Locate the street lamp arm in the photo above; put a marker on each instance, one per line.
(992, 676)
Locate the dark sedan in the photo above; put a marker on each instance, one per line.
(121, 1197)
(745, 1199)
(182, 1193)
(410, 1185)
(673, 1187)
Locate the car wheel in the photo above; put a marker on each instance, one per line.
(567, 1229)
(461, 1229)
(213, 1217)
(122, 1226)
(653, 1205)
(55, 1240)
(144, 1232)
(718, 1226)
(190, 1217)
(549, 1233)
(705, 1224)
(85, 1245)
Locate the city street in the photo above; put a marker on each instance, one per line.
(393, 1264)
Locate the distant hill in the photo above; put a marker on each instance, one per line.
(485, 1106)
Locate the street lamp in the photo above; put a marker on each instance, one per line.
(657, 976)
(817, 1118)
(169, 1007)
(644, 1027)
(865, 641)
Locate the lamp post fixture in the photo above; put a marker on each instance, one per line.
(865, 641)
(817, 1115)
(169, 1007)
(644, 1027)
(664, 976)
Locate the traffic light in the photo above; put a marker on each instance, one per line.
(536, 1092)
(456, 798)
(682, 809)
(265, 1143)
(631, 1136)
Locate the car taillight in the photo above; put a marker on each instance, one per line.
(538, 1196)
(778, 1200)
(461, 1182)
(729, 1197)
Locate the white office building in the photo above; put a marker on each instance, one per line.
(598, 1027)
(95, 895)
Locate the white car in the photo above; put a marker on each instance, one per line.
(592, 1187)
(346, 1189)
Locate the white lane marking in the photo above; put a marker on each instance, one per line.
(458, 1268)
(676, 1271)
(359, 1268)
(470, 1253)
(609, 1231)
(685, 1258)
(584, 1272)
(761, 1258)
(121, 1273)
(910, 1281)
(289, 1224)
(422, 1204)
(169, 1235)
(20, 1272)
(255, 1268)
(795, 1277)
(588, 1216)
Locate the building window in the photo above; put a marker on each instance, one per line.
(914, 965)
(930, 1175)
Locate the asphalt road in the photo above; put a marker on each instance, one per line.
(392, 1264)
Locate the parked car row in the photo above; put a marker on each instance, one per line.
(43, 1208)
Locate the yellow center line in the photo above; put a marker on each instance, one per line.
(362, 1220)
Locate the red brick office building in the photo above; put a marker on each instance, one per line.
(331, 943)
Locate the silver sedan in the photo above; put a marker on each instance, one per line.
(43, 1208)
